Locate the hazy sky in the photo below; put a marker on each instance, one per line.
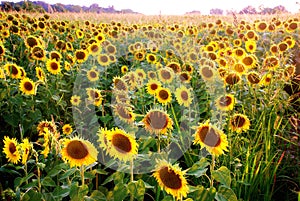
(179, 7)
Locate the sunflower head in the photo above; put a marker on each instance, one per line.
(157, 121)
(152, 86)
(239, 123)
(163, 95)
(11, 150)
(183, 96)
(78, 152)
(210, 137)
(67, 129)
(171, 179)
(225, 102)
(27, 86)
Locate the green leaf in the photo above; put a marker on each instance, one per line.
(137, 189)
(78, 192)
(199, 168)
(101, 171)
(95, 196)
(32, 195)
(202, 194)
(47, 181)
(120, 192)
(60, 192)
(222, 175)
(168, 198)
(225, 194)
(57, 169)
(67, 174)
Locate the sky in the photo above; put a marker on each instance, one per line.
(180, 7)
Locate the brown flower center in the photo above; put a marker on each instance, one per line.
(184, 95)
(28, 86)
(12, 148)
(122, 143)
(238, 121)
(209, 136)
(163, 94)
(225, 101)
(77, 150)
(169, 178)
(157, 120)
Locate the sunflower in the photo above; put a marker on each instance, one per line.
(152, 75)
(40, 74)
(151, 58)
(174, 66)
(157, 121)
(67, 129)
(166, 75)
(124, 113)
(237, 42)
(140, 73)
(2, 50)
(225, 102)
(271, 62)
(249, 61)
(25, 146)
(55, 55)
(210, 137)
(75, 100)
(124, 69)
(120, 84)
(78, 152)
(163, 95)
(94, 95)
(12, 70)
(79, 34)
(11, 150)
(100, 37)
(46, 124)
(31, 41)
(239, 53)
(2, 74)
(38, 53)
(120, 144)
(93, 75)
(207, 73)
(27, 86)
(240, 68)
(111, 49)
(103, 59)
(81, 55)
(266, 79)
(183, 96)
(139, 55)
(94, 49)
(250, 46)
(232, 78)
(171, 179)
(239, 123)
(185, 77)
(188, 67)
(53, 66)
(152, 86)
(283, 46)
(253, 77)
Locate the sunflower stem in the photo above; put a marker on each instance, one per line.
(131, 170)
(158, 143)
(82, 174)
(212, 169)
(176, 122)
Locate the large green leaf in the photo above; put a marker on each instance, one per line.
(120, 192)
(222, 175)
(78, 192)
(199, 168)
(137, 189)
(203, 194)
(225, 194)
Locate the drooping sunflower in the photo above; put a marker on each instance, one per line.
(175, 66)
(157, 121)
(165, 75)
(210, 137)
(171, 179)
(225, 102)
(11, 150)
(121, 144)
(40, 74)
(120, 84)
(183, 96)
(163, 95)
(94, 95)
(25, 146)
(185, 77)
(271, 63)
(27, 86)
(46, 124)
(75, 100)
(12, 70)
(239, 123)
(78, 152)
(152, 86)
(93, 75)
(67, 129)
(31, 41)
(55, 55)
(124, 113)
(53, 66)
(240, 68)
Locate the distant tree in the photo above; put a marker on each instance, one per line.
(248, 10)
(216, 11)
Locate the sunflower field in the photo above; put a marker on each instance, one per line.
(158, 108)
